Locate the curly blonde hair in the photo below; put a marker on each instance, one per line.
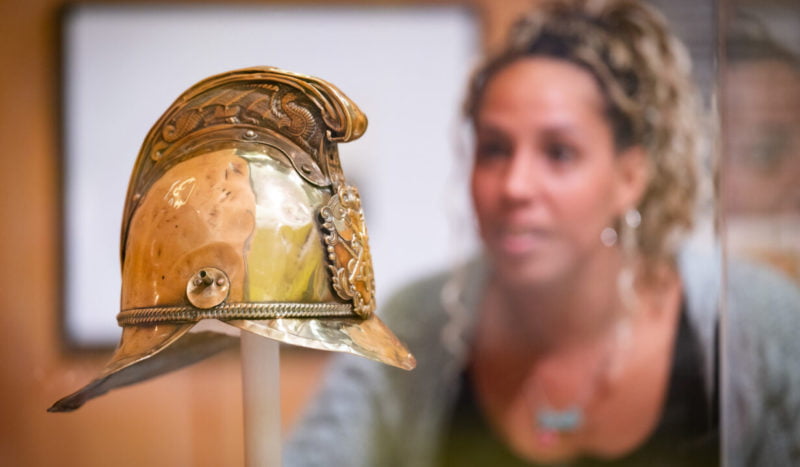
(643, 71)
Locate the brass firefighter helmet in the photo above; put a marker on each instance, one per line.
(238, 211)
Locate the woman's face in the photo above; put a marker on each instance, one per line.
(547, 178)
(763, 147)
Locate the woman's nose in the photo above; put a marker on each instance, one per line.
(520, 180)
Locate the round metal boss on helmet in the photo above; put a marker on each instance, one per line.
(238, 211)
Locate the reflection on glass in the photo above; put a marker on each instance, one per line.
(760, 114)
(761, 101)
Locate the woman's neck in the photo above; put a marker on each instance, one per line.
(578, 307)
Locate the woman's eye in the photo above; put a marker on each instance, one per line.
(492, 150)
(560, 152)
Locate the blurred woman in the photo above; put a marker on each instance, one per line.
(760, 100)
(583, 335)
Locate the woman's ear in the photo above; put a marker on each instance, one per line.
(633, 176)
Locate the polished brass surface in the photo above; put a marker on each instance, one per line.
(238, 210)
(254, 103)
(285, 260)
(197, 215)
(368, 338)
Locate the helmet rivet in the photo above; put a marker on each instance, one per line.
(249, 134)
(207, 288)
(306, 169)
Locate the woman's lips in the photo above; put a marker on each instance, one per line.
(517, 241)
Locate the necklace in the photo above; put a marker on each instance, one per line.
(551, 423)
(559, 421)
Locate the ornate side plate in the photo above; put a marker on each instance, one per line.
(347, 245)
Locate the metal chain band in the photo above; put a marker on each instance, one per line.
(230, 311)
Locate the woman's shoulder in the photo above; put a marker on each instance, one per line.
(757, 309)
(750, 291)
(430, 301)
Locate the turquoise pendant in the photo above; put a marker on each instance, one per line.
(561, 421)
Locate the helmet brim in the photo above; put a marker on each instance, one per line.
(369, 338)
(176, 347)
(132, 362)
